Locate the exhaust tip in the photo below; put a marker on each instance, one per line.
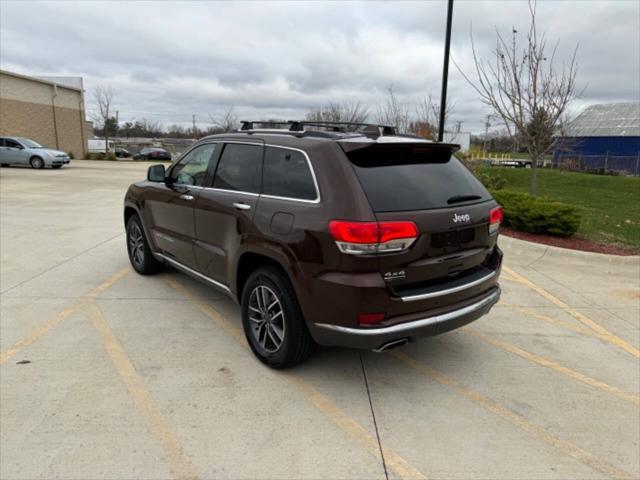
(390, 345)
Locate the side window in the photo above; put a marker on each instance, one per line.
(1, 142)
(192, 169)
(287, 174)
(11, 143)
(239, 168)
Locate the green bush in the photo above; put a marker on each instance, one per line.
(492, 182)
(527, 213)
(71, 155)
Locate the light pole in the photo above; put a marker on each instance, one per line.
(445, 71)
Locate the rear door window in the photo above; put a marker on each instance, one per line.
(412, 177)
(287, 174)
(239, 168)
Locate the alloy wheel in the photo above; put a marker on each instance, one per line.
(267, 318)
(136, 244)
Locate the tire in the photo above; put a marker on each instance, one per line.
(5, 165)
(140, 255)
(263, 288)
(56, 166)
(37, 163)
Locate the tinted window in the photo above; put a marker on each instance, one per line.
(239, 168)
(12, 143)
(192, 169)
(287, 174)
(397, 178)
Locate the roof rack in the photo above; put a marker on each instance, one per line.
(299, 126)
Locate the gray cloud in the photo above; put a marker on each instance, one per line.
(167, 60)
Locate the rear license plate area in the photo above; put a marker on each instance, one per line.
(454, 238)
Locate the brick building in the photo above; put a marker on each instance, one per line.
(49, 110)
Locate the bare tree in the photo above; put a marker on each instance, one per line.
(395, 113)
(525, 89)
(227, 121)
(353, 112)
(427, 117)
(103, 95)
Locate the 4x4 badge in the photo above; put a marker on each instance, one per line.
(461, 218)
(391, 276)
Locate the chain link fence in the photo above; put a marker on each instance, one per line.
(604, 164)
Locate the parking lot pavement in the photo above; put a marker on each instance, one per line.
(107, 374)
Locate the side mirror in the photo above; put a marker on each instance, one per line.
(156, 173)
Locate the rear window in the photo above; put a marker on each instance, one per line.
(287, 174)
(411, 177)
(239, 168)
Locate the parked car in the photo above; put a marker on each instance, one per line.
(365, 239)
(512, 163)
(122, 152)
(152, 153)
(23, 151)
(97, 145)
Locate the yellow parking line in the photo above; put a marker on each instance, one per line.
(601, 331)
(393, 461)
(49, 324)
(555, 321)
(518, 420)
(178, 461)
(556, 367)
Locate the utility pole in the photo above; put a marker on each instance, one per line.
(445, 71)
(459, 125)
(487, 124)
(194, 125)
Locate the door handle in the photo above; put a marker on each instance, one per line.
(187, 197)
(242, 206)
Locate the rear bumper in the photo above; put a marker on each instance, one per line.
(425, 326)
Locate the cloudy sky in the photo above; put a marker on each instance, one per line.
(166, 61)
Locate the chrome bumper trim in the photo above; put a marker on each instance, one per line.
(423, 322)
(447, 291)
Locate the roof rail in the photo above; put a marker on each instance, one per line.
(371, 129)
(249, 124)
(299, 127)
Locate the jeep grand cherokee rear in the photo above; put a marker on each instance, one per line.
(353, 237)
(425, 260)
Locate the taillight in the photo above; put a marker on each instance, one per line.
(360, 238)
(495, 218)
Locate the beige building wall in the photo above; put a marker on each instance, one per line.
(50, 114)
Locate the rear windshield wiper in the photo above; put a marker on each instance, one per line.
(463, 198)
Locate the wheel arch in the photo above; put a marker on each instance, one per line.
(249, 261)
(131, 209)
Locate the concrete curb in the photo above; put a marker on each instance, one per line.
(521, 248)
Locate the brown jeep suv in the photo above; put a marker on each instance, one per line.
(326, 233)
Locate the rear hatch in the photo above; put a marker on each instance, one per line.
(424, 183)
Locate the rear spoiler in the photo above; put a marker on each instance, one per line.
(403, 143)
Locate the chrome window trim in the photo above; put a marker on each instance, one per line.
(224, 190)
(423, 322)
(253, 194)
(447, 291)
